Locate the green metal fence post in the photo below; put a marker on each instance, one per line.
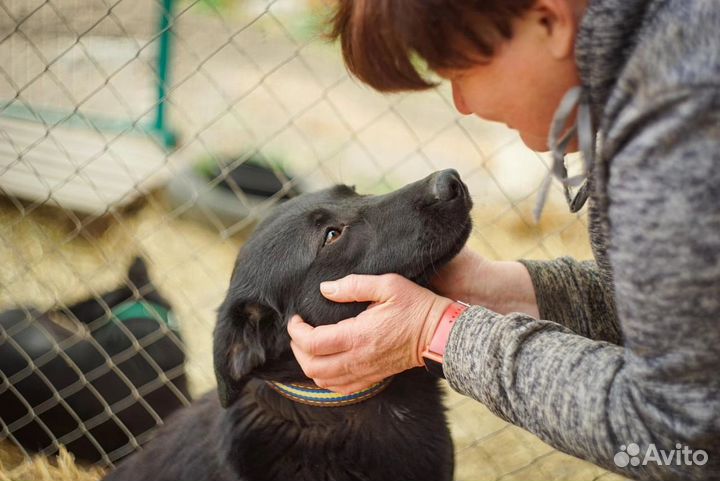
(163, 71)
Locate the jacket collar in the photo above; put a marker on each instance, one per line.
(608, 33)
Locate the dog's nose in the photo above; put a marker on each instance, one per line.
(446, 185)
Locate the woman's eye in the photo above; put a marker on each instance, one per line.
(331, 235)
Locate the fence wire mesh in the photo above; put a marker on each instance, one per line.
(129, 130)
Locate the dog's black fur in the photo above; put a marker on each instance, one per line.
(28, 333)
(401, 434)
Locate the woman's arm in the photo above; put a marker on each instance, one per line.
(587, 397)
(564, 290)
(502, 286)
(576, 295)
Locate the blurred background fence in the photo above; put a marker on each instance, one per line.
(139, 142)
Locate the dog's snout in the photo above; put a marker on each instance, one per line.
(446, 185)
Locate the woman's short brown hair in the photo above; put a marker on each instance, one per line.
(381, 39)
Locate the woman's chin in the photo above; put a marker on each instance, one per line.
(538, 143)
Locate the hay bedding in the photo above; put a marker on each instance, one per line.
(15, 467)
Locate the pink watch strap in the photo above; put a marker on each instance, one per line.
(442, 332)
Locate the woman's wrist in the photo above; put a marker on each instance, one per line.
(506, 287)
(435, 313)
(501, 286)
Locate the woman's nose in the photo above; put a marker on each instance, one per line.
(459, 100)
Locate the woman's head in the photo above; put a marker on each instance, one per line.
(507, 60)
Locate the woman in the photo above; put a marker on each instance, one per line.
(589, 356)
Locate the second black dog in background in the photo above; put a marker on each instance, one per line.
(63, 370)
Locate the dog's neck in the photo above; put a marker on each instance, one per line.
(262, 427)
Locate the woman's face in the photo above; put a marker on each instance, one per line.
(522, 84)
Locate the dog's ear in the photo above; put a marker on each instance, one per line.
(246, 332)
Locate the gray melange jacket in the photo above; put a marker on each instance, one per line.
(629, 348)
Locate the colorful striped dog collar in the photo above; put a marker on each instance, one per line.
(316, 396)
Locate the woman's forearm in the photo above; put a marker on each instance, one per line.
(502, 286)
(506, 287)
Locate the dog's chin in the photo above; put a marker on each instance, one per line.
(434, 261)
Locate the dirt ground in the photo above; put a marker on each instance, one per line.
(255, 77)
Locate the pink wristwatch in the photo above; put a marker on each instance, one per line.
(435, 351)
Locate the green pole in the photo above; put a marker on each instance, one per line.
(160, 126)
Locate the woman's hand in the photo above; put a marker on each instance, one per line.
(385, 339)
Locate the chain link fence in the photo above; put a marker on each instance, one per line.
(139, 142)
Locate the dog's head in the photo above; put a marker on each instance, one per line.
(325, 236)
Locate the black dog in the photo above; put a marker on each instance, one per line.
(67, 343)
(400, 433)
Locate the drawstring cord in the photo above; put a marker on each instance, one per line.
(558, 143)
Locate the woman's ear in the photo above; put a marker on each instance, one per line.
(559, 19)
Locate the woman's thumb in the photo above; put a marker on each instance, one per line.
(355, 288)
(329, 288)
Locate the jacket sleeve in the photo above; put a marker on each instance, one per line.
(662, 387)
(575, 295)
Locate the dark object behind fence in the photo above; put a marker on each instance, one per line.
(97, 376)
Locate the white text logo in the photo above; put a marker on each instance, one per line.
(680, 456)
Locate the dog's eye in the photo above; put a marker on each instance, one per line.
(331, 235)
